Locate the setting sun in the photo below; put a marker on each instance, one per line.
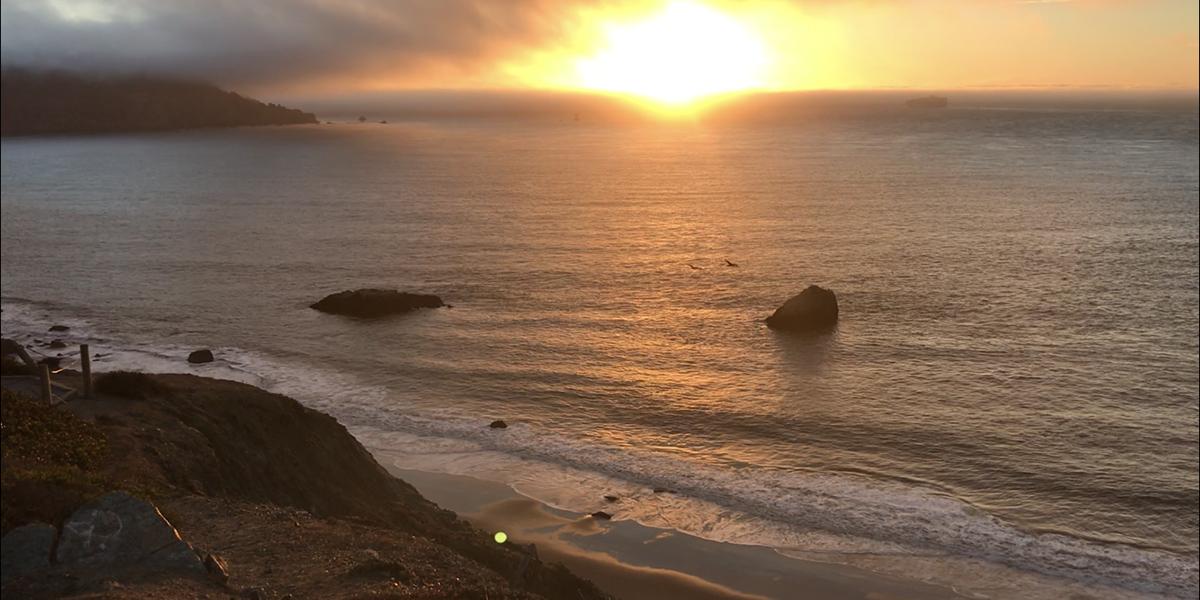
(683, 53)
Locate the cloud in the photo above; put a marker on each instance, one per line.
(279, 42)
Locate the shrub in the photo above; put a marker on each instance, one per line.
(129, 384)
(47, 457)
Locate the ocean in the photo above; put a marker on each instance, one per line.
(1010, 399)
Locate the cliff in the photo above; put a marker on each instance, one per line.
(34, 103)
(289, 500)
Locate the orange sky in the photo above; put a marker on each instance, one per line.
(934, 45)
(348, 46)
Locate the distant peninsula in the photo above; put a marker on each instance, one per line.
(38, 102)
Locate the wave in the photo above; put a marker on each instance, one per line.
(846, 513)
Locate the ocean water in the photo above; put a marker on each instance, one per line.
(1013, 384)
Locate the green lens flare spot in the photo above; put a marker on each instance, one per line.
(500, 537)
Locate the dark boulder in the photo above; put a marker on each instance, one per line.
(603, 516)
(59, 328)
(814, 309)
(498, 424)
(57, 345)
(26, 549)
(118, 530)
(200, 356)
(372, 303)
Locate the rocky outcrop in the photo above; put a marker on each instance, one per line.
(372, 303)
(814, 309)
(26, 549)
(200, 356)
(121, 531)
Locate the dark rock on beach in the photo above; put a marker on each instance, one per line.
(200, 356)
(814, 309)
(373, 303)
(57, 328)
(57, 344)
(603, 516)
(498, 424)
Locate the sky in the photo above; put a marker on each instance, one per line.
(667, 50)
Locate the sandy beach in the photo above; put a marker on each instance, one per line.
(636, 562)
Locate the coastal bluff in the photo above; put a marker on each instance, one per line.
(42, 103)
(282, 497)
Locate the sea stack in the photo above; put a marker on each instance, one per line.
(373, 303)
(814, 309)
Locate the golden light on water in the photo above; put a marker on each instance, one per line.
(683, 53)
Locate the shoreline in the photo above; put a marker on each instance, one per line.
(1000, 581)
(635, 562)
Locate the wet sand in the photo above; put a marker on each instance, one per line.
(635, 562)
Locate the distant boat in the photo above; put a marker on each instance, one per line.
(928, 102)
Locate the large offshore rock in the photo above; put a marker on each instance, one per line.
(26, 549)
(371, 303)
(814, 309)
(119, 530)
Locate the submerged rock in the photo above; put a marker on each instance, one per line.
(200, 356)
(57, 345)
(498, 424)
(119, 530)
(26, 549)
(814, 309)
(59, 328)
(371, 303)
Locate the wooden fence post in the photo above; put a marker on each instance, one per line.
(85, 365)
(45, 372)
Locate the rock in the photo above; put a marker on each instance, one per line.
(498, 424)
(611, 498)
(814, 309)
(118, 530)
(374, 568)
(373, 303)
(200, 356)
(217, 569)
(26, 549)
(59, 328)
(601, 515)
(56, 344)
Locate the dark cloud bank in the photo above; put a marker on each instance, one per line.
(267, 43)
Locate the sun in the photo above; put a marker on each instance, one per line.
(684, 53)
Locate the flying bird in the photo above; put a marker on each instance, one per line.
(695, 268)
(730, 264)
